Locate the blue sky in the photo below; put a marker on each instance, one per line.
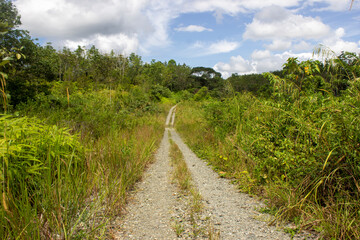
(231, 36)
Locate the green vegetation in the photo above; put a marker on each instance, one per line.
(181, 172)
(77, 131)
(79, 127)
(299, 147)
(254, 83)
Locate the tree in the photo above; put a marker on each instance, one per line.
(9, 14)
(9, 21)
(135, 68)
(208, 77)
(254, 83)
(9, 39)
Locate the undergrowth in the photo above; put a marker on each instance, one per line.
(298, 148)
(68, 160)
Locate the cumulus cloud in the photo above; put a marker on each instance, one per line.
(237, 64)
(222, 47)
(292, 35)
(275, 22)
(337, 44)
(193, 28)
(265, 62)
(118, 24)
(75, 19)
(302, 46)
(148, 20)
(121, 43)
(145, 24)
(279, 45)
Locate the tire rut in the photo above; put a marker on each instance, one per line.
(232, 213)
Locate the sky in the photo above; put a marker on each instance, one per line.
(231, 36)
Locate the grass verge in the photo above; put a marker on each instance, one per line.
(195, 217)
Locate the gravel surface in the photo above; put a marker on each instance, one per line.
(151, 215)
(233, 212)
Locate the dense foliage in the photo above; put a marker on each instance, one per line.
(254, 83)
(300, 145)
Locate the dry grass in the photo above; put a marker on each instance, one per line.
(195, 215)
(181, 173)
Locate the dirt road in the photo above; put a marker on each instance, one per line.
(232, 213)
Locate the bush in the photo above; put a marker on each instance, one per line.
(157, 92)
(202, 94)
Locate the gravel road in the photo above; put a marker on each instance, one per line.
(233, 213)
(148, 214)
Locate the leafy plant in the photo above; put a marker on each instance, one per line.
(298, 147)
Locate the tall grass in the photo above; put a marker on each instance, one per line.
(302, 155)
(39, 177)
(67, 175)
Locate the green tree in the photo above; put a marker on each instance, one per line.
(9, 22)
(207, 77)
(135, 68)
(255, 83)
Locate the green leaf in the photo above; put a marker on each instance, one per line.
(4, 62)
(7, 59)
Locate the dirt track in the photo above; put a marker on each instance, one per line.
(232, 213)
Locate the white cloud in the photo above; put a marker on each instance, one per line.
(275, 22)
(339, 33)
(294, 35)
(120, 42)
(74, 19)
(144, 24)
(271, 62)
(302, 46)
(193, 28)
(279, 45)
(223, 46)
(259, 54)
(79, 20)
(337, 44)
(118, 24)
(159, 18)
(342, 45)
(237, 64)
